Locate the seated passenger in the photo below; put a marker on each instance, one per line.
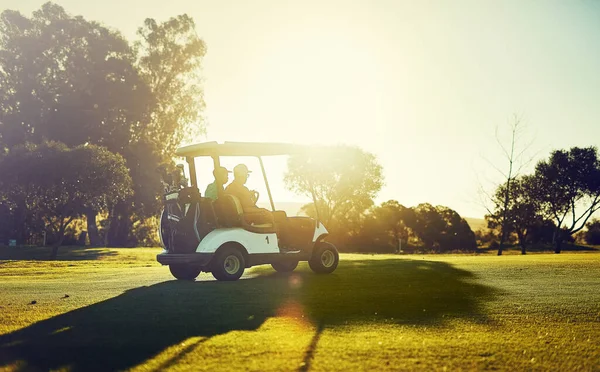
(237, 188)
(221, 178)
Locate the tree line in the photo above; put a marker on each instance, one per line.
(553, 203)
(345, 180)
(547, 207)
(87, 117)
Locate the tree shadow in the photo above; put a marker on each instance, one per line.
(128, 329)
(397, 291)
(68, 253)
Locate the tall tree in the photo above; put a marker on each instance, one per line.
(514, 152)
(169, 60)
(343, 179)
(58, 184)
(170, 57)
(66, 79)
(568, 188)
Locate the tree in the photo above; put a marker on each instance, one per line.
(441, 228)
(592, 233)
(18, 222)
(57, 184)
(170, 57)
(66, 79)
(385, 225)
(568, 189)
(457, 234)
(486, 237)
(427, 225)
(541, 232)
(343, 179)
(69, 80)
(514, 156)
(393, 214)
(521, 213)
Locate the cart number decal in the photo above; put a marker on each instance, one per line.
(267, 239)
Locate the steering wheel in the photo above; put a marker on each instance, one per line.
(255, 195)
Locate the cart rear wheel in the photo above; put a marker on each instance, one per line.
(228, 264)
(325, 258)
(285, 267)
(185, 271)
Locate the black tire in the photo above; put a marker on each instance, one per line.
(228, 264)
(324, 259)
(285, 266)
(185, 271)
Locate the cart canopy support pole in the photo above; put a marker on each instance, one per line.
(216, 164)
(192, 167)
(262, 167)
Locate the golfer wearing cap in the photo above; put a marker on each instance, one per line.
(221, 178)
(237, 188)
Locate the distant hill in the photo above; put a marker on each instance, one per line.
(476, 223)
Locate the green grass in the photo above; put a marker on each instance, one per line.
(383, 312)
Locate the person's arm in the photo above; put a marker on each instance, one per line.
(245, 197)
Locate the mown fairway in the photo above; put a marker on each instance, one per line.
(124, 311)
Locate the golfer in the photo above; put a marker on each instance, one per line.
(221, 178)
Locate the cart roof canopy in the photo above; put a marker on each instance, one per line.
(238, 149)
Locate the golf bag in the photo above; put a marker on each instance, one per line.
(180, 220)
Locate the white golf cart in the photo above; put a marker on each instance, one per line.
(199, 234)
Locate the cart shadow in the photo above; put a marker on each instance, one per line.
(127, 330)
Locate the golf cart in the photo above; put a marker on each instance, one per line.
(201, 234)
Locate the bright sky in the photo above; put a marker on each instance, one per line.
(421, 84)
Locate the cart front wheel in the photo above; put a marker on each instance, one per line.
(325, 258)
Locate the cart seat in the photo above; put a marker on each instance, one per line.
(228, 210)
(230, 213)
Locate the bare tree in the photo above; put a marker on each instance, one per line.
(514, 154)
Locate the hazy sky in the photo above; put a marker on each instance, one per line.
(422, 84)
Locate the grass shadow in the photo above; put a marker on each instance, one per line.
(128, 329)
